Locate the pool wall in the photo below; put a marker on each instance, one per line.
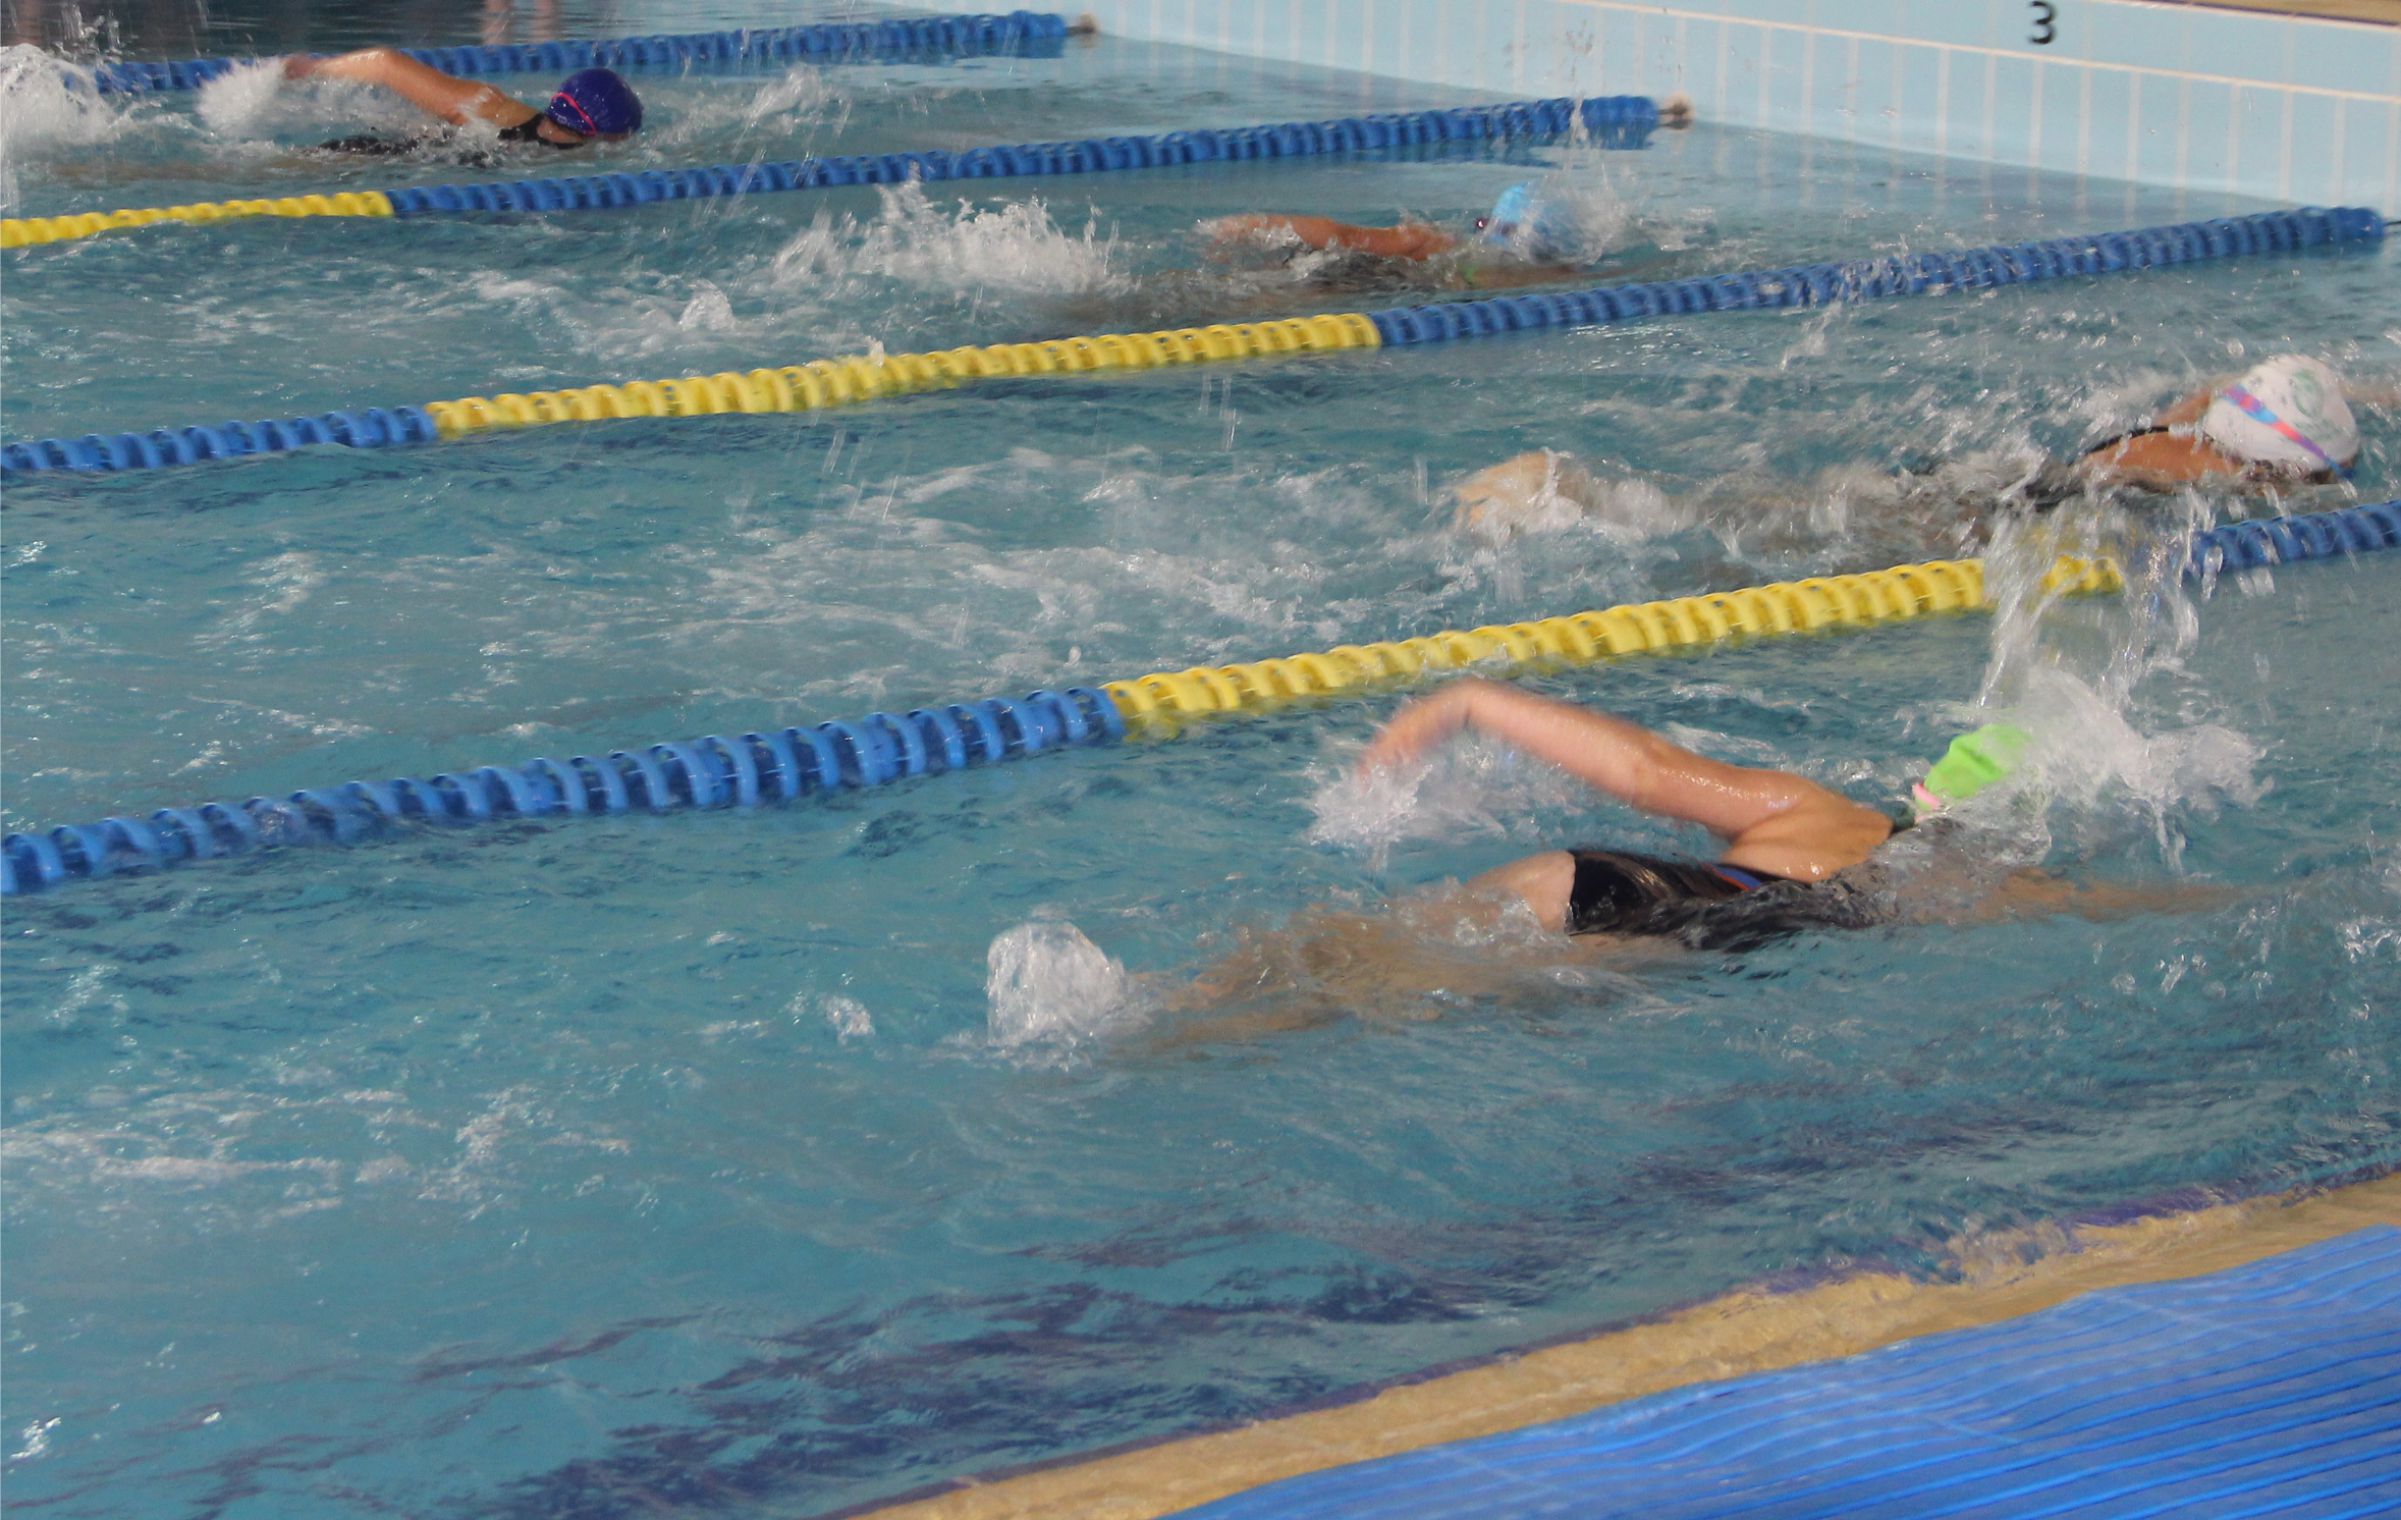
(2288, 109)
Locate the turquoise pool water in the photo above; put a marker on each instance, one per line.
(679, 1165)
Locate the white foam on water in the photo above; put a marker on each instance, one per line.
(49, 108)
(1468, 789)
(1548, 492)
(1050, 985)
(253, 102)
(847, 1017)
(2081, 682)
(1016, 248)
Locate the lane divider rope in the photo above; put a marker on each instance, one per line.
(826, 383)
(921, 38)
(1612, 122)
(779, 766)
(792, 763)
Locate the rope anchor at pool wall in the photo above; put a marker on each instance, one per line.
(788, 764)
(826, 383)
(917, 39)
(1613, 122)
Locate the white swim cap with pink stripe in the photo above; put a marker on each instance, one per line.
(2288, 412)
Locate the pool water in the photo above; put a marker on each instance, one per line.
(688, 1165)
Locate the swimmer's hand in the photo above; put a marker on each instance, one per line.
(1523, 492)
(1420, 726)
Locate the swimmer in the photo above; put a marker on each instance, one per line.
(595, 105)
(1527, 238)
(2285, 422)
(1796, 857)
(1784, 834)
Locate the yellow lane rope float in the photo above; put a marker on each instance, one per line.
(840, 382)
(758, 768)
(863, 377)
(1154, 702)
(20, 232)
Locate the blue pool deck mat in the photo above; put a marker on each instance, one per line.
(2270, 1389)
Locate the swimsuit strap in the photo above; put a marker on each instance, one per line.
(2127, 436)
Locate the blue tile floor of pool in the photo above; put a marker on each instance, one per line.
(2273, 1389)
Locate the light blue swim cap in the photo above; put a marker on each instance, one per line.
(1529, 223)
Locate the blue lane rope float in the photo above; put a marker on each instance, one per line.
(805, 389)
(1619, 121)
(1616, 122)
(784, 765)
(2266, 541)
(792, 763)
(917, 38)
(2308, 227)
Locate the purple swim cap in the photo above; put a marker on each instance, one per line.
(596, 103)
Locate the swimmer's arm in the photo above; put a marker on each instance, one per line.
(1773, 820)
(1489, 500)
(1510, 275)
(455, 100)
(1410, 240)
(2029, 893)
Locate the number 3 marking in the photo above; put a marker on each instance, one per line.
(2045, 15)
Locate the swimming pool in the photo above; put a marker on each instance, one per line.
(674, 1163)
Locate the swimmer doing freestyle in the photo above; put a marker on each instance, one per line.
(1797, 857)
(595, 105)
(1529, 237)
(2285, 422)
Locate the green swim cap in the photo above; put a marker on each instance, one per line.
(1972, 763)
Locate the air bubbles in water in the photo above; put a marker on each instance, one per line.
(1048, 984)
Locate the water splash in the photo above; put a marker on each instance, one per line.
(775, 110)
(1546, 491)
(1050, 985)
(254, 103)
(2084, 682)
(46, 106)
(1014, 248)
(1468, 790)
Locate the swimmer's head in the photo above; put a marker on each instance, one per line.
(1972, 763)
(2286, 413)
(596, 103)
(1527, 222)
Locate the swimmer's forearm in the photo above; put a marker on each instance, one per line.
(1410, 240)
(455, 100)
(1607, 753)
(1625, 761)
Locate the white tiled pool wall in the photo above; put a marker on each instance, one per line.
(2290, 110)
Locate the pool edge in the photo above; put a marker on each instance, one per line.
(1753, 1329)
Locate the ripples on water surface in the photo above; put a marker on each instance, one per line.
(683, 1164)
